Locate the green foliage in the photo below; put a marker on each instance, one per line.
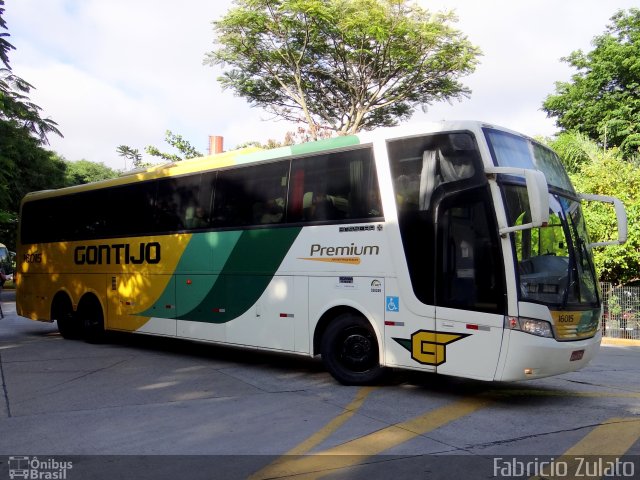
(612, 175)
(15, 107)
(24, 167)
(575, 150)
(602, 100)
(599, 110)
(176, 141)
(346, 65)
(131, 154)
(84, 171)
(179, 143)
(5, 46)
(605, 172)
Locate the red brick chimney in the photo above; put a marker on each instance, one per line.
(215, 144)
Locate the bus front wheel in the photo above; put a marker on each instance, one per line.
(350, 351)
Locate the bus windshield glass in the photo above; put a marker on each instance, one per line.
(553, 263)
(509, 150)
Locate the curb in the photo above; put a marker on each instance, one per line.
(627, 342)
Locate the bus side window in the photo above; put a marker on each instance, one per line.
(339, 186)
(251, 195)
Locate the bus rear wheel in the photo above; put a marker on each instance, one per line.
(350, 351)
(62, 312)
(92, 319)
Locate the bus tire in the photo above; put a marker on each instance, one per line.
(350, 351)
(62, 312)
(92, 319)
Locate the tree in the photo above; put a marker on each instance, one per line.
(84, 171)
(132, 154)
(613, 175)
(24, 167)
(177, 142)
(346, 65)
(602, 100)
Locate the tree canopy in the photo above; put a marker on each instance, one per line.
(84, 171)
(346, 65)
(602, 100)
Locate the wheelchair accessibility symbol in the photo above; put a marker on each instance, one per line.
(393, 304)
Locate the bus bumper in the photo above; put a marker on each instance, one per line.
(529, 356)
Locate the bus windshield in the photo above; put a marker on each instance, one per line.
(553, 262)
(509, 150)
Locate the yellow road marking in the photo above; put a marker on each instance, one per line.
(613, 437)
(320, 435)
(358, 450)
(333, 425)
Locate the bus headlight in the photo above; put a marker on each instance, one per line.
(541, 328)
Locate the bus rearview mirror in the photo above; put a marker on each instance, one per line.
(537, 191)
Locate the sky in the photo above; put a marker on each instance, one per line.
(122, 72)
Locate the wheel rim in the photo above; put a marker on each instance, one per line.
(357, 351)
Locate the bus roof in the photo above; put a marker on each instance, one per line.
(255, 154)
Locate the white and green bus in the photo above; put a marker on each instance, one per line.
(458, 248)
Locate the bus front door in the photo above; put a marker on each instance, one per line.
(470, 286)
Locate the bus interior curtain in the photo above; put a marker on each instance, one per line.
(357, 184)
(428, 180)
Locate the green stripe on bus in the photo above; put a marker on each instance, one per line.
(208, 252)
(250, 267)
(322, 145)
(261, 155)
(302, 149)
(235, 268)
(203, 259)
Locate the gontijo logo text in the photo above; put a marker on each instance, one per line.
(119, 253)
(341, 254)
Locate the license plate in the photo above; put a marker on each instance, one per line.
(576, 355)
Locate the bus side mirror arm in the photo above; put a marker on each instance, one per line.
(621, 217)
(538, 192)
